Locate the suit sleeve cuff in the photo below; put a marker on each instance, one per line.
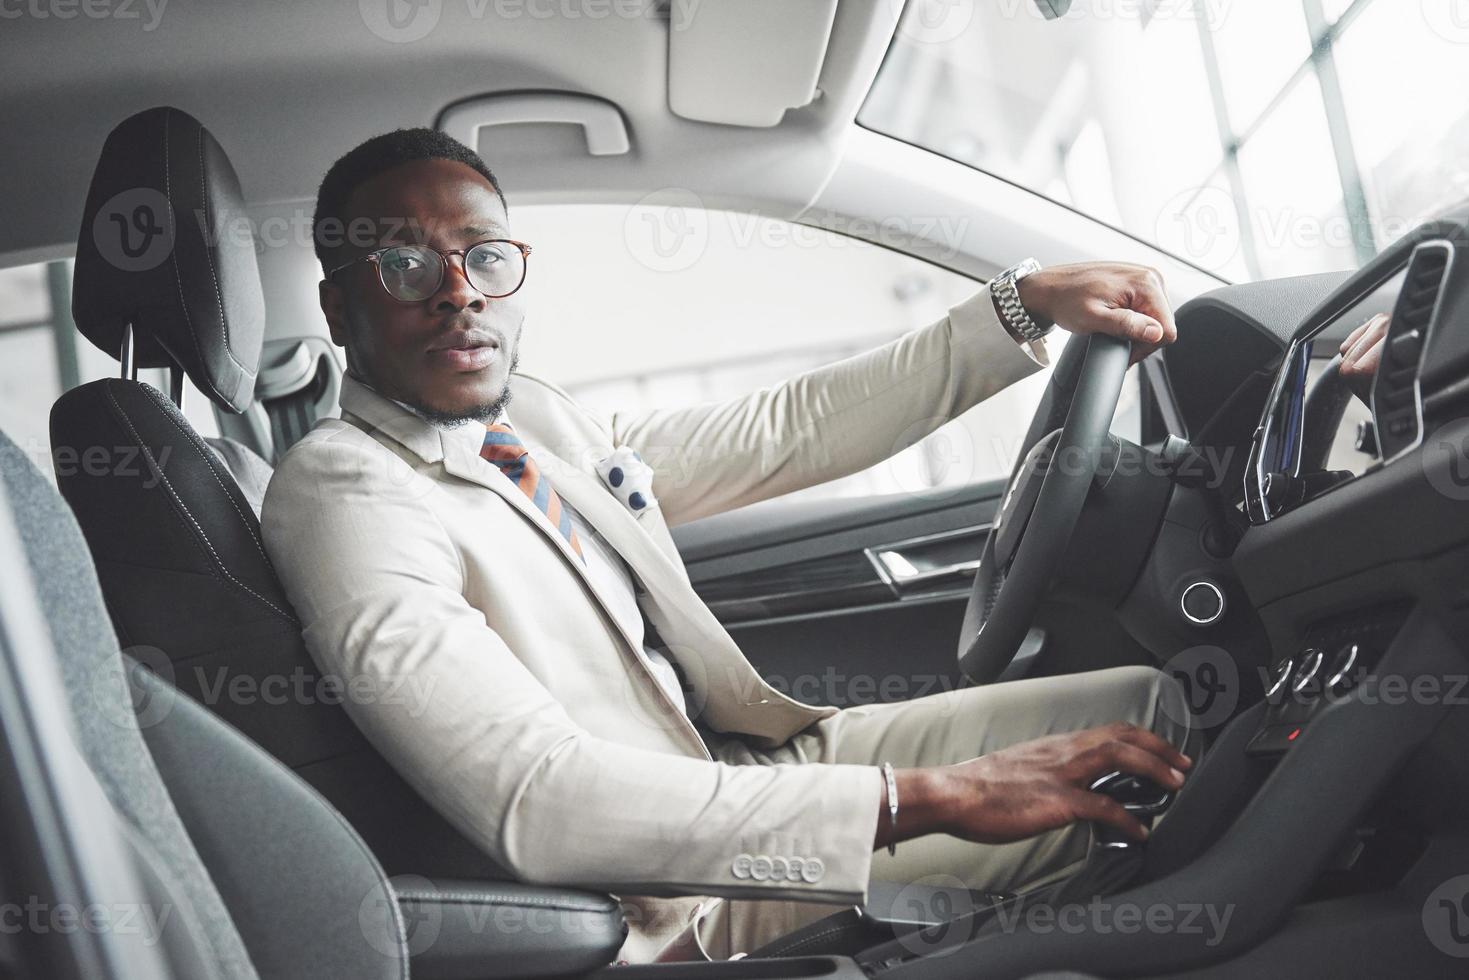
(980, 336)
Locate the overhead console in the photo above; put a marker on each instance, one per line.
(1422, 282)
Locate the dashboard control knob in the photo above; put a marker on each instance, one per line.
(1307, 670)
(1366, 441)
(1202, 602)
(1278, 676)
(1341, 676)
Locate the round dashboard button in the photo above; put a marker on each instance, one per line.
(1309, 667)
(1343, 663)
(1202, 602)
(1278, 676)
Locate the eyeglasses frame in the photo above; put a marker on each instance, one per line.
(376, 255)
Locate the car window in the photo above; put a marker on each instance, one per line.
(1254, 138)
(668, 304)
(42, 355)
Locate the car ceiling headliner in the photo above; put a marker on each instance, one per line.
(287, 88)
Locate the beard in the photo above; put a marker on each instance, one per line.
(484, 412)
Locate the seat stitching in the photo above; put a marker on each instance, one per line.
(174, 257)
(209, 258)
(491, 898)
(208, 455)
(177, 500)
(809, 940)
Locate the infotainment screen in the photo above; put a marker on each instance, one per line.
(1315, 433)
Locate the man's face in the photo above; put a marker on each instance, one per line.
(451, 355)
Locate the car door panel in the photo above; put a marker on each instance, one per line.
(848, 601)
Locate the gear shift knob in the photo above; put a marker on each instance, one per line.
(1138, 795)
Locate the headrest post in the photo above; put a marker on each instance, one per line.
(176, 385)
(129, 363)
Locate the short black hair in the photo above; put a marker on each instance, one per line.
(368, 159)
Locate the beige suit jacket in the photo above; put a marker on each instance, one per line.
(484, 665)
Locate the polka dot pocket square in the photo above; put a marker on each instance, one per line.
(629, 478)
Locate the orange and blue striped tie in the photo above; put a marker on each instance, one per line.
(504, 448)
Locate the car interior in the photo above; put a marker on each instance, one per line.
(1294, 553)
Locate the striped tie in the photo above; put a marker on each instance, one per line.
(504, 448)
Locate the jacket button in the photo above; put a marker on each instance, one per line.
(741, 867)
(761, 868)
(812, 870)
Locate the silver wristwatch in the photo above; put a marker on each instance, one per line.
(1012, 312)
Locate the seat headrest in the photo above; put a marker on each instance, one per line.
(165, 245)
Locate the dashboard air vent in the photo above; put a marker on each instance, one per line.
(1396, 401)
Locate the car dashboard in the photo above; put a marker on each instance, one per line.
(1421, 283)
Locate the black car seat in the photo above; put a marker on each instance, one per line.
(164, 279)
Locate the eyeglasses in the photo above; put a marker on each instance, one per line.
(413, 273)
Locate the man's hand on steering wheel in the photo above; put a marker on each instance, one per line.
(1029, 788)
(1116, 298)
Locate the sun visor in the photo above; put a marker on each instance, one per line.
(745, 62)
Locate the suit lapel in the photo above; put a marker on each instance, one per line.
(459, 460)
(731, 694)
(458, 452)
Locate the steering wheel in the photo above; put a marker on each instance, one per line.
(1043, 502)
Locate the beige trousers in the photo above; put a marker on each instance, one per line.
(939, 730)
